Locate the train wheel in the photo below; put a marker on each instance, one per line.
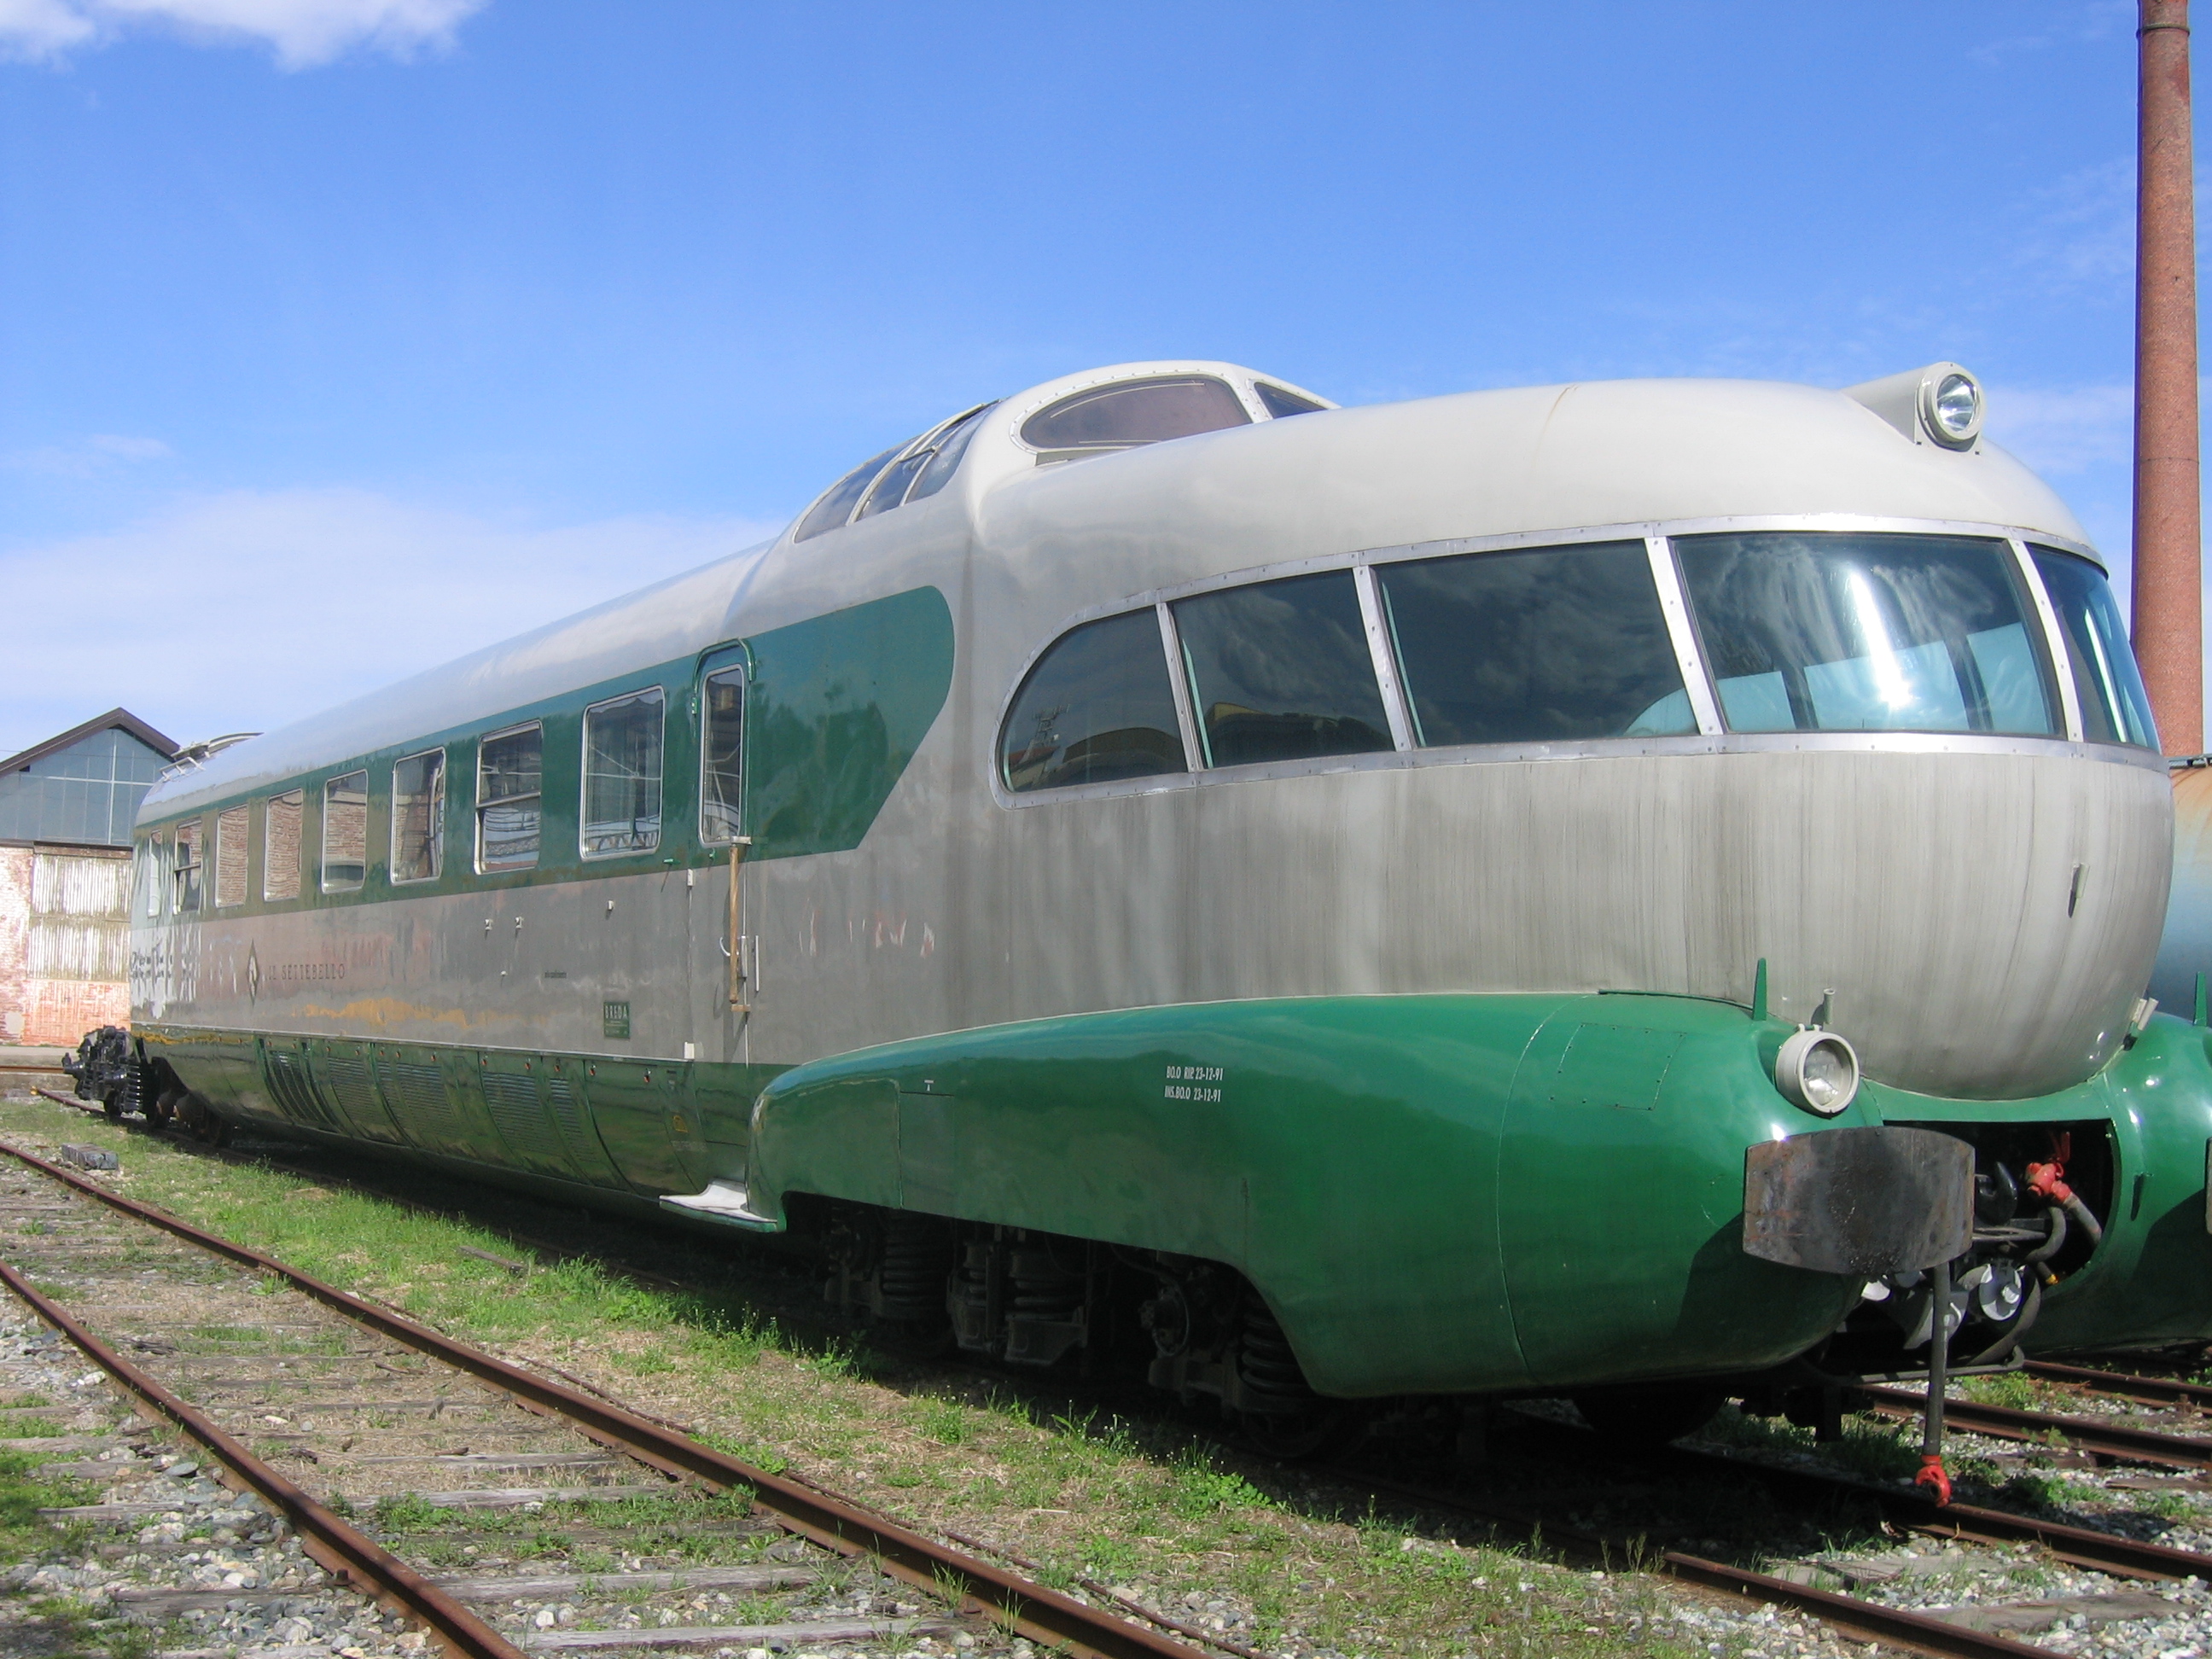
(111, 1103)
(1651, 1416)
(1295, 1437)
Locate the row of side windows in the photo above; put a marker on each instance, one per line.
(620, 798)
(1798, 631)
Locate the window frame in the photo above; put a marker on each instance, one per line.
(1709, 738)
(185, 873)
(436, 843)
(659, 693)
(323, 882)
(297, 799)
(483, 867)
(242, 814)
(725, 660)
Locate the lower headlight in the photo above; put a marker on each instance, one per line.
(1818, 1070)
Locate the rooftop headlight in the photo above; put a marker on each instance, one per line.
(1951, 404)
(1817, 1069)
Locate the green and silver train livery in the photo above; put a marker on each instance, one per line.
(1535, 891)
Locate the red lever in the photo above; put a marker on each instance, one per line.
(1932, 1476)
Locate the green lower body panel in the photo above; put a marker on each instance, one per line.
(1440, 1194)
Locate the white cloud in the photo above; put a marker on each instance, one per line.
(250, 610)
(2065, 431)
(100, 453)
(302, 33)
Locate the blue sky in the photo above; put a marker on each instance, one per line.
(338, 337)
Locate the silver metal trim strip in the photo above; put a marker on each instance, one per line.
(1705, 702)
(1194, 748)
(2054, 638)
(1380, 649)
(1726, 744)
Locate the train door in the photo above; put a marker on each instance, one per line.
(721, 702)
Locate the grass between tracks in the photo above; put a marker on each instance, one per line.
(1265, 1555)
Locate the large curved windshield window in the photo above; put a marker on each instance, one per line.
(1547, 646)
(1127, 413)
(2115, 708)
(1280, 671)
(1839, 632)
(1098, 706)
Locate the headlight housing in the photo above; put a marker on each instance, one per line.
(1950, 406)
(1817, 1069)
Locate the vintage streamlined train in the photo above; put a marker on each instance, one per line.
(1553, 890)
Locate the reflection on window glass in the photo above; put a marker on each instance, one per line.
(1280, 402)
(722, 753)
(1539, 647)
(510, 772)
(832, 509)
(2115, 707)
(280, 846)
(1810, 632)
(1280, 671)
(946, 461)
(1132, 412)
(230, 831)
(1097, 706)
(185, 873)
(345, 832)
(419, 817)
(621, 775)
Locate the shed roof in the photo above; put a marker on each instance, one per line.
(114, 718)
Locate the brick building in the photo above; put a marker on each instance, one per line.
(66, 808)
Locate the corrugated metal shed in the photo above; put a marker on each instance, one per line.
(82, 786)
(66, 809)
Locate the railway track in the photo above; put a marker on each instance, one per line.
(1854, 1615)
(261, 1364)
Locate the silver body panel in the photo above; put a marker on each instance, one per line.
(1924, 879)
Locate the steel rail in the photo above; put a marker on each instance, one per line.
(2010, 1423)
(1870, 1620)
(1024, 1607)
(350, 1556)
(2151, 1390)
(2082, 1546)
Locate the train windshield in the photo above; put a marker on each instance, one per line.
(1812, 632)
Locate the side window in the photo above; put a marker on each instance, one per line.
(151, 852)
(2115, 707)
(1127, 413)
(951, 447)
(721, 756)
(230, 856)
(1280, 671)
(510, 772)
(1547, 646)
(280, 846)
(419, 817)
(832, 509)
(621, 775)
(1097, 706)
(1282, 402)
(186, 874)
(345, 832)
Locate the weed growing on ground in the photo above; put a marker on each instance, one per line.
(2030, 1491)
(2167, 1506)
(2016, 1389)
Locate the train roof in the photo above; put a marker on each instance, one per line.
(1479, 464)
